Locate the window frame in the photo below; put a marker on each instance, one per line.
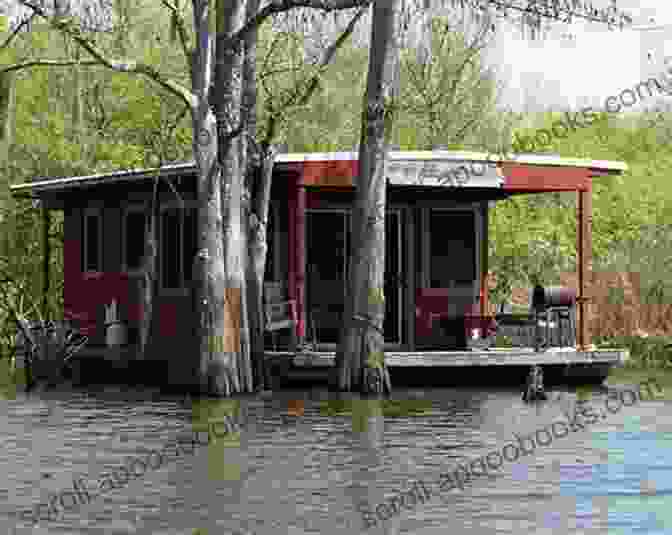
(128, 209)
(86, 214)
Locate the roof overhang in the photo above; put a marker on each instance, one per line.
(444, 169)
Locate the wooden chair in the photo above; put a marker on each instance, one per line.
(279, 313)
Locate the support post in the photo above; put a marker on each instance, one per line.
(584, 248)
(46, 257)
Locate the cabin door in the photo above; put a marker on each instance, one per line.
(327, 247)
(328, 234)
(449, 282)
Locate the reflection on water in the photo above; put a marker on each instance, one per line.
(309, 461)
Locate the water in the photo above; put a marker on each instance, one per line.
(298, 469)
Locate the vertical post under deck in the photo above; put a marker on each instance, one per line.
(584, 249)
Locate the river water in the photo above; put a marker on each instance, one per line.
(301, 466)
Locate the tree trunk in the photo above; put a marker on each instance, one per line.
(258, 181)
(7, 105)
(149, 281)
(258, 249)
(76, 134)
(360, 362)
(215, 337)
(229, 364)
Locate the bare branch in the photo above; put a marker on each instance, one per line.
(132, 67)
(178, 20)
(280, 6)
(313, 84)
(16, 31)
(48, 63)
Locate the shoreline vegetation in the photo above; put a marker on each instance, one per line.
(650, 357)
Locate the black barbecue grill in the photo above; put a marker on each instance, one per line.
(554, 304)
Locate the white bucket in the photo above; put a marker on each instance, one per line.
(116, 334)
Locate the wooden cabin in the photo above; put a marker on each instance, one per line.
(436, 241)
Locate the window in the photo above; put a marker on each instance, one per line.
(189, 243)
(92, 254)
(134, 236)
(177, 246)
(453, 248)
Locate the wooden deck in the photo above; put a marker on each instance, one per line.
(460, 368)
(418, 367)
(492, 357)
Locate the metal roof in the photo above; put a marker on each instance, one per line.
(47, 184)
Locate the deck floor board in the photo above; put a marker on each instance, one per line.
(498, 357)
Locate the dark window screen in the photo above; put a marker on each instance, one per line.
(92, 260)
(170, 249)
(135, 239)
(190, 243)
(452, 247)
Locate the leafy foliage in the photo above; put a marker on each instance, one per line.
(128, 122)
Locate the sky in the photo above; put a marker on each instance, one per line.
(581, 64)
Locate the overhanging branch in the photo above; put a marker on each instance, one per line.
(49, 63)
(129, 66)
(16, 31)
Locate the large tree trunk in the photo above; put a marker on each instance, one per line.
(360, 362)
(258, 249)
(232, 369)
(215, 338)
(258, 172)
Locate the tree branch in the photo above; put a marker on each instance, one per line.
(48, 63)
(132, 67)
(313, 84)
(16, 31)
(178, 20)
(280, 6)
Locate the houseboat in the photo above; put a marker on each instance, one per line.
(436, 230)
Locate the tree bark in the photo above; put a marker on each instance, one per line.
(149, 282)
(258, 247)
(258, 182)
(7, 106)
(232, 370)
(360, 362)
(216, 372)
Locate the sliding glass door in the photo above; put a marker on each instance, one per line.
(328, 237)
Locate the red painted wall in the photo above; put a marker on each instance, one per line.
(85, 295)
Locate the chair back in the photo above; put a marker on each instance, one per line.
(274, 292)
(279, 311)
